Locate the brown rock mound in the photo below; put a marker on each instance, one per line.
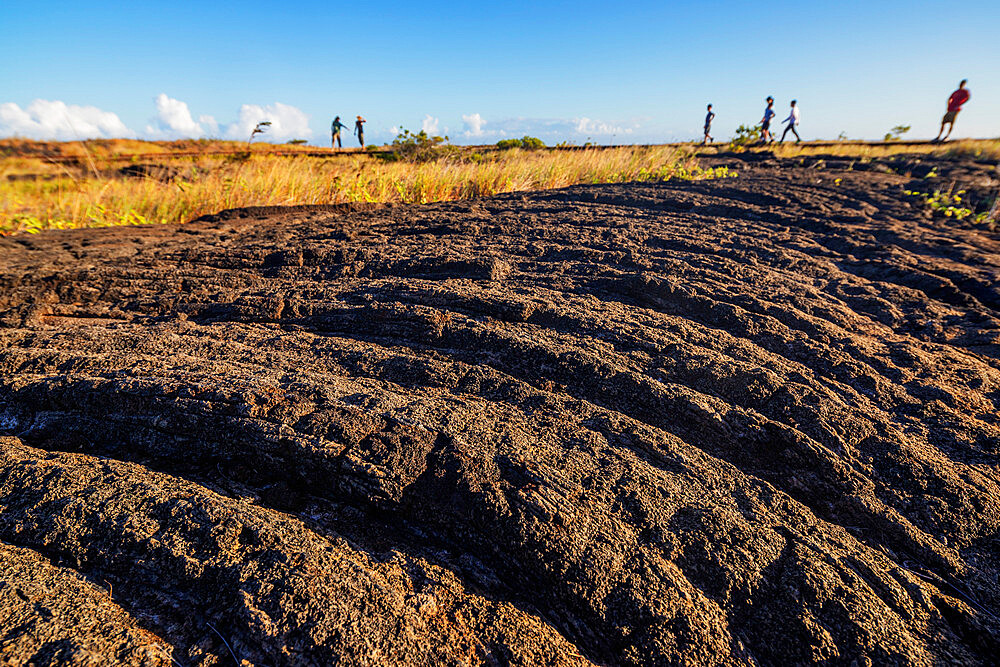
(746, 421)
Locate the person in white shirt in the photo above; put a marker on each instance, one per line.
(792, 120)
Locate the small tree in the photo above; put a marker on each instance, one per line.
(420, 147)
(260, 129)
(895, 133)
(746, 135)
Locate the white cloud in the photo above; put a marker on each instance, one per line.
(473, 125)
(287, 122)
(174, 121)
(44, 119)
(430, 124)
(592, 127)
(209, 123)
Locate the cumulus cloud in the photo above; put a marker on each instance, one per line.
(287, 122)
(209, 123)
(550, 130)
(430, 124)
(44, 119)
(473, 125)
(174, 121)
(592, 127)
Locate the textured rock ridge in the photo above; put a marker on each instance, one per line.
(737, 422)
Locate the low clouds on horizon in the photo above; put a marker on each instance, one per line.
(45, 119)
(48, 120)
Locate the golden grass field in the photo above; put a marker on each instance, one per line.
(37, 193)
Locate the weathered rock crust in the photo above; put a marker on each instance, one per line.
(745, 421)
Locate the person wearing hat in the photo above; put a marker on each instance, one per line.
(792, 120)
(359, 129)
(765, 122)
(335, 129)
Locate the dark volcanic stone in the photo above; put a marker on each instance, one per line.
(745, 421)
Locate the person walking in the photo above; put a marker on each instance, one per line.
(708, 126)
(765, 122)
(335, 129)
(359, 129)
(792, 120)
(955, 102)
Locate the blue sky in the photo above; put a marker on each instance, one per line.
(631, 72)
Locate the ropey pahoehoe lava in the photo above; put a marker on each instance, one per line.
(751, 420)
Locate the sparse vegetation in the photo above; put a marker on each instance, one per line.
(420, 147)
(63, 197)
(37, 194)
(259, 129)
(897, 132)
(951, 205)
(746, 135)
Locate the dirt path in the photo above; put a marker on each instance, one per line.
(745, 421)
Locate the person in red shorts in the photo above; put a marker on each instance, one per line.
(955, 102)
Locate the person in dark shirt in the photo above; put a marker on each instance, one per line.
(765, 122)
(335, 129)
(708, 125)
(955, 102)
(359, 129)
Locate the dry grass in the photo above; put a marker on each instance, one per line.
(96, 196)
(985, 149)
(93, 194)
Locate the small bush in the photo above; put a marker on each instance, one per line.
(895, 133)
(746, 135)
(420, 147)
(525, 142)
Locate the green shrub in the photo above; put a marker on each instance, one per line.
(746, 135)
(525, 142)
(895, 133)
(420, 147)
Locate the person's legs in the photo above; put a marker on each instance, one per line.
(951, 126)
(949, 120)
(783, 134)
(795, 132)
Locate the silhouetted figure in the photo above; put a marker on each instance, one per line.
(359, 129)
(792, 120)
(765, 122)
(708, 125)
(335, 129)
(955, 102)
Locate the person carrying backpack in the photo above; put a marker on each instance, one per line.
(335, 129)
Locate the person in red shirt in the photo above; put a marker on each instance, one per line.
(955, 102)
